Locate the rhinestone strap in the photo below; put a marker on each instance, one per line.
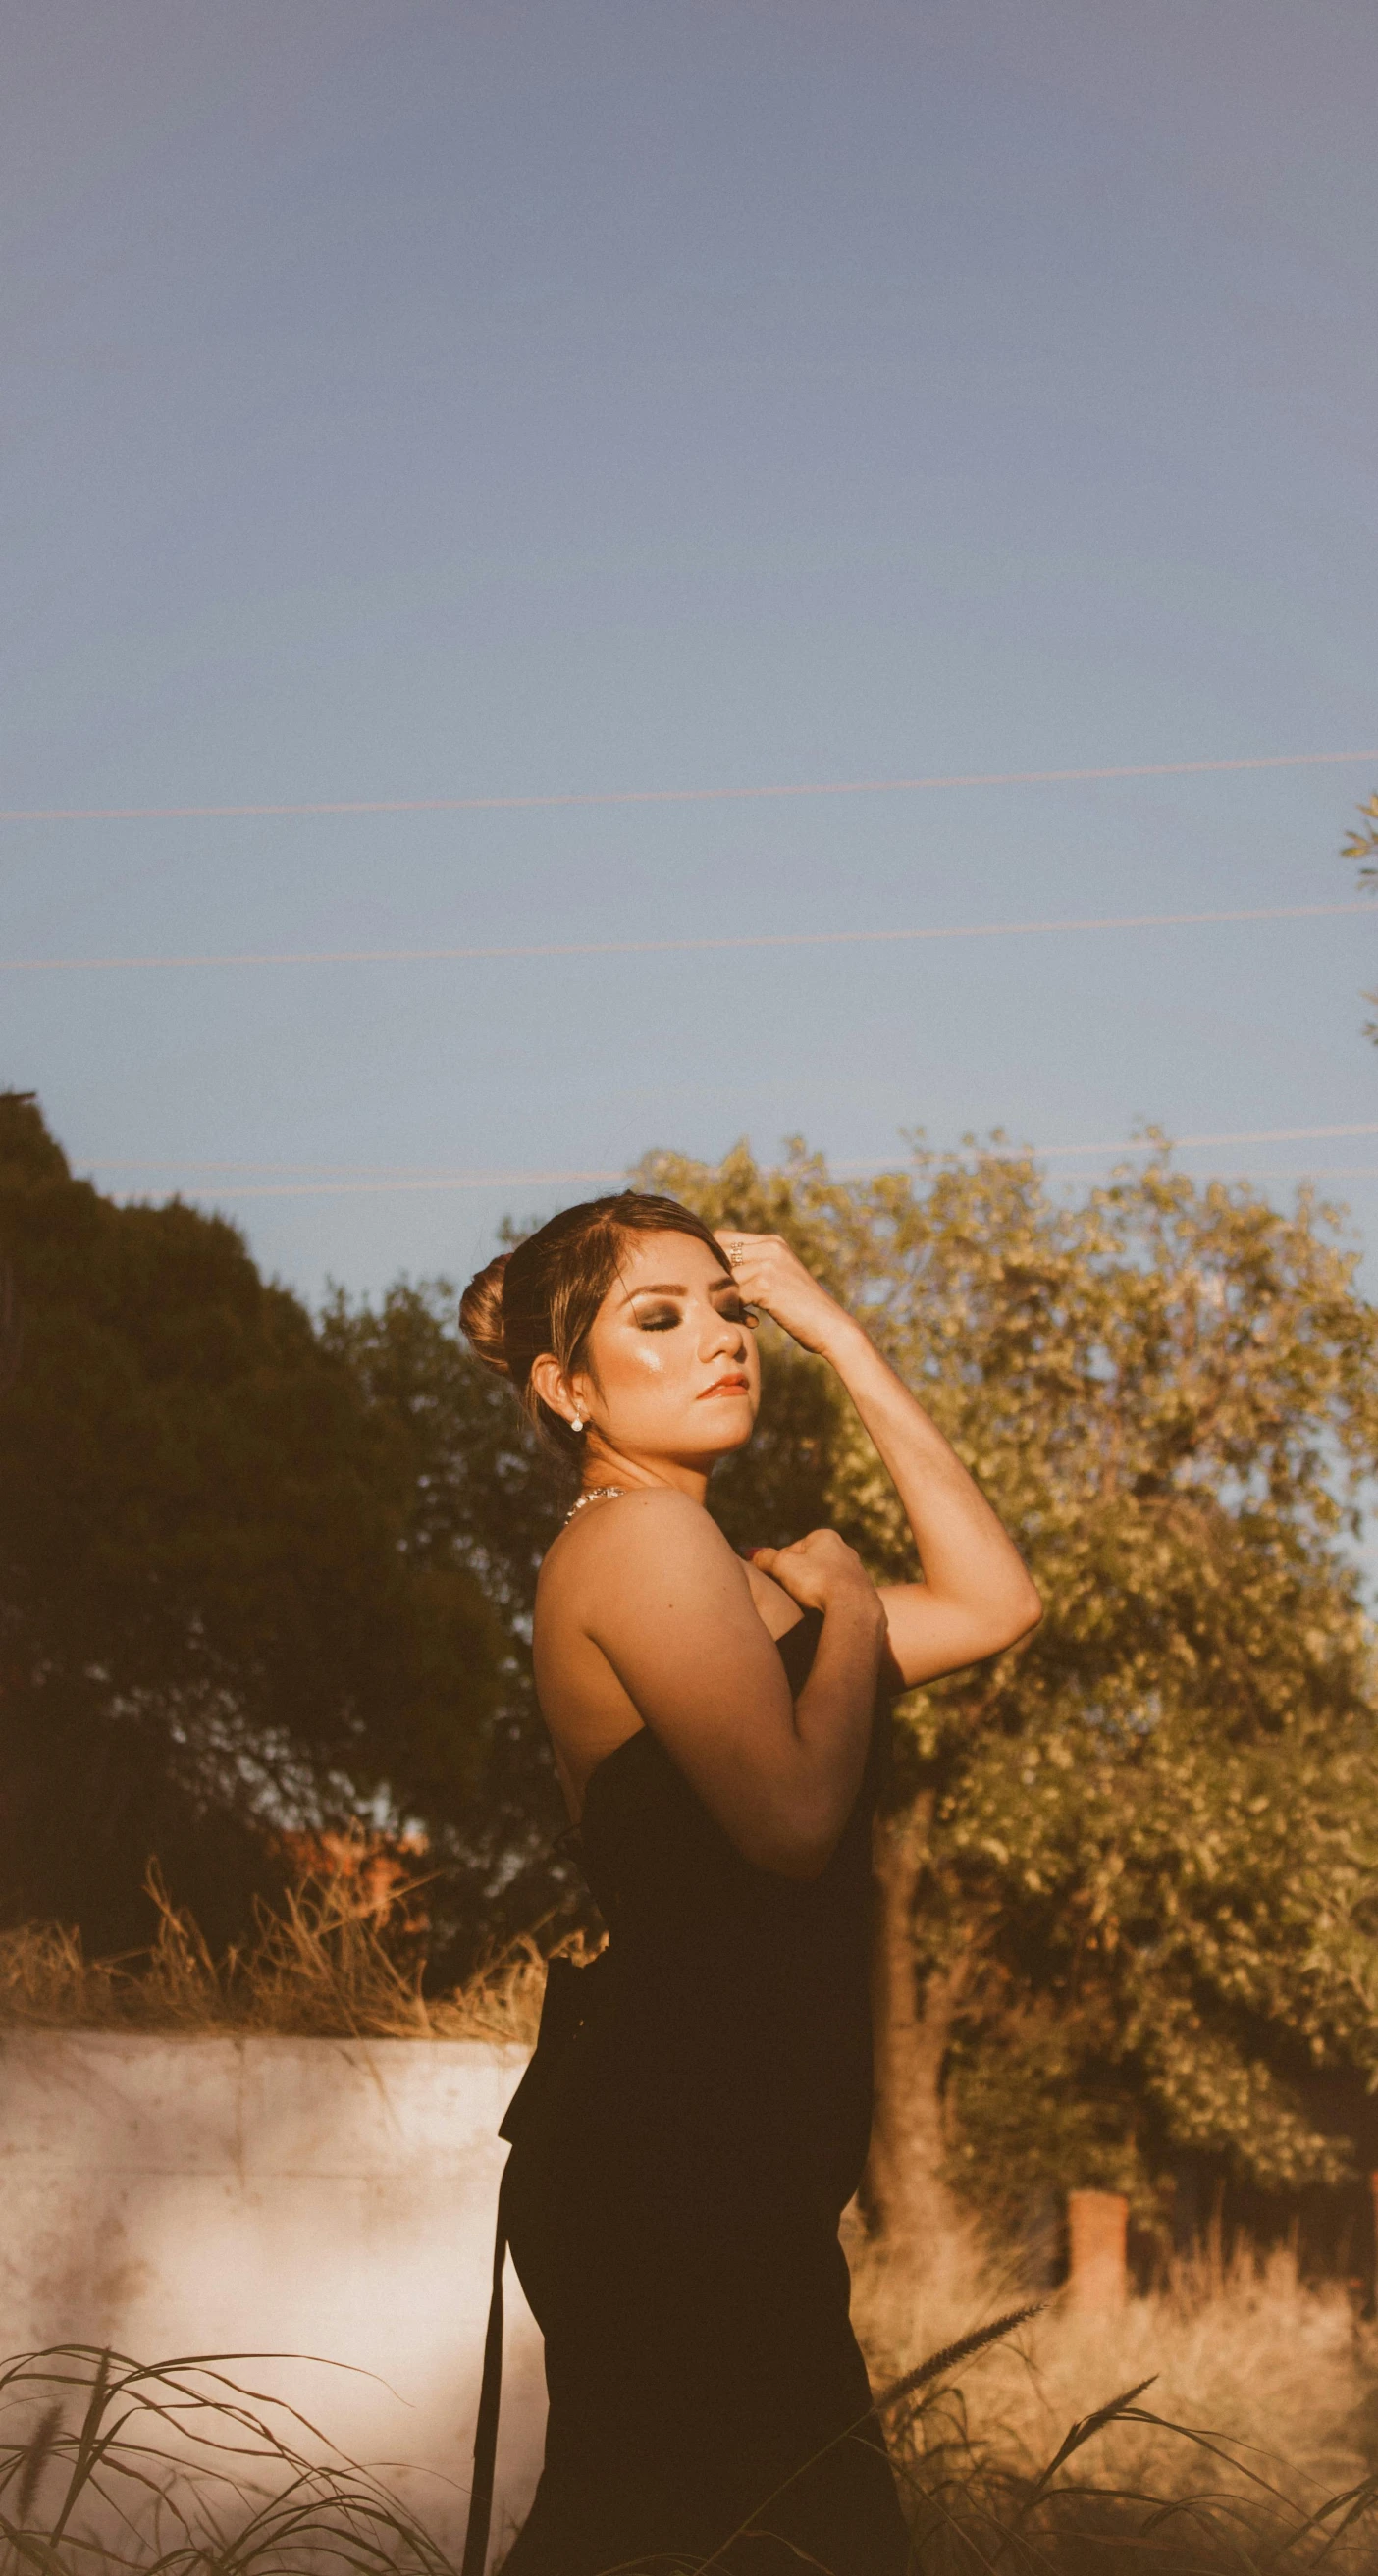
(595, 1494)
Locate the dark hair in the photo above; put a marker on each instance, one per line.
(545, 1293)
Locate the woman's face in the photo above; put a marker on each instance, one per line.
(673, 1370)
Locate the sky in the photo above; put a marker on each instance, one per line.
(424, 405)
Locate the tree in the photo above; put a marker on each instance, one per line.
(1130, 1869)
(209, 1624)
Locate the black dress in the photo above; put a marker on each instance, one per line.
(683, 2149)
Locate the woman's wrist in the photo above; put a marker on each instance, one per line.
(845, 1342)
(852, 1609)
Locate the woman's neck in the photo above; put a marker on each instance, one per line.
(601, 1467)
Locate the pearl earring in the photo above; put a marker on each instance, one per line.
(577, 1422)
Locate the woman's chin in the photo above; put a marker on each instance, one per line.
(730, 1439)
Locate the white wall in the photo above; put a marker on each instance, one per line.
(297, 2196)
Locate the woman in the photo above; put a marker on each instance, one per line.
(685, 2143)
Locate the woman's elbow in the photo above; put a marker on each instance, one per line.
(801, 1857)
(797, 1839)
(1019, 1616)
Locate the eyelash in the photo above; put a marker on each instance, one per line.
(665, 1318)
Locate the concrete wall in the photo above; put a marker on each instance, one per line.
(290, 2196)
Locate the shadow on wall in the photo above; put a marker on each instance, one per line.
(317, 2200)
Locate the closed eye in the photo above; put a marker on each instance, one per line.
(659, 1319)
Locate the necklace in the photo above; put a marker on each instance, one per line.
(595, 1494)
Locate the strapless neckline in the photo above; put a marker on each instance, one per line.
(807, 1619)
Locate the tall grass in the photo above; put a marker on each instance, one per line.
(181, 2469)
(1228, 2421)
(328, 1964)
(1213, 2507)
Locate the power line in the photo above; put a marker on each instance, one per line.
(669, 947)
(419, 1173)
(348, 1179)
(374, 1189)
(1239, 1136)
(676, 795)
(445, 1171)
(522, 1180)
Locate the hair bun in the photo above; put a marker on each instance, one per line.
(481, 1316)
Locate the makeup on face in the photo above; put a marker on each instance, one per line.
(660, 1306)
(671, 1357)
(665, 1306)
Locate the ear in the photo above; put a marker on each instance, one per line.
(552, 1386)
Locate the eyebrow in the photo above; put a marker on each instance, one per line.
(676, 1287)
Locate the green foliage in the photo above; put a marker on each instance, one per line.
(1154, 1836)
(208, 1622)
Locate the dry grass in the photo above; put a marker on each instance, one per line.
(1243, 2352)
(180, 2469)
(330, 1964)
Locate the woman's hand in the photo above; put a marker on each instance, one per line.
(821, 1572)
(769, 1274)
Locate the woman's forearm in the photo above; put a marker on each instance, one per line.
(832, 1725)
(975, 1586)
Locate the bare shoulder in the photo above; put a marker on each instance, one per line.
(644, 1542)
(647, 1517)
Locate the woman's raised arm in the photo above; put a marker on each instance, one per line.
(977, 1596)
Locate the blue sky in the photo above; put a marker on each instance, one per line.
(424, 401)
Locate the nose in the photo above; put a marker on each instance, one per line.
(726, 1334)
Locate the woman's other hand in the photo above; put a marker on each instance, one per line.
(821, 1572)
